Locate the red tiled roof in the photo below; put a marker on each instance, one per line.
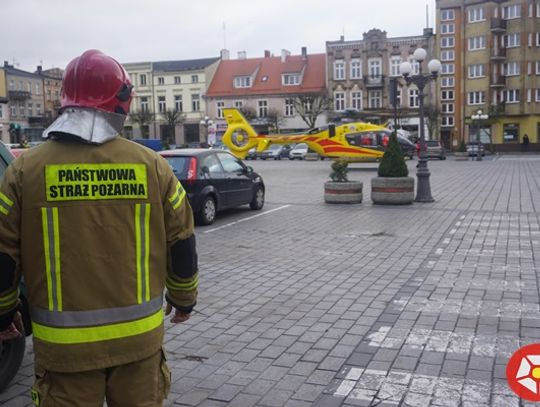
(271, 67)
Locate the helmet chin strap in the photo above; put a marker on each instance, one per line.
(89, 125)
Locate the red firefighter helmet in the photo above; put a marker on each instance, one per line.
(95, 80)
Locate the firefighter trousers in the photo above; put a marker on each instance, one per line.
(144, 383)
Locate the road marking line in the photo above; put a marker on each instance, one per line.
(245, 219)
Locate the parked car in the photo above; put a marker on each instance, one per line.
(275, 152)
(215, 180)
(298, 152)
(434, 149)
(12, 351)
(252, 154)
(407, 147)
(473, 147)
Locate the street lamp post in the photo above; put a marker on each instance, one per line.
(423, 191)
(478, 118)
(206, 122)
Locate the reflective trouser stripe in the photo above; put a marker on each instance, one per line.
(182, 286)
(9, 300)
(178, 196)
(142, 241)
(51, 248)
(98, 333)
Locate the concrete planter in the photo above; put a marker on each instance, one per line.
(392, 191)
(461, 156)
(349, 192)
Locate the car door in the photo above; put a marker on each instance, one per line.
(238, 184)
(213, 175)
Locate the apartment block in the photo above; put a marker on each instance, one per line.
(360, 72)
(490, 52)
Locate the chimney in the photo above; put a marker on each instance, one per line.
(342, 38)
(39, 69)
(266, 53)
(225, 54)
(304, 52)
(241, 54)
(284, 55)
(6, 64)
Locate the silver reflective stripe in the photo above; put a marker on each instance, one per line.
(142, 230)
(96, 317)
(51, 243)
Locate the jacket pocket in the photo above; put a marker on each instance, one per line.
(164, 383)
(40, 388)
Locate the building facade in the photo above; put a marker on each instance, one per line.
(360, 73)
(273, 91)
(169, 99)
(52, 88)
(490, 52)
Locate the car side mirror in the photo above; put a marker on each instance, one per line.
(249, 169)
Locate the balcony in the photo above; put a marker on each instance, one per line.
(374, 81)
(36, 121)
(497, 81)
(19, 95)
(498, 25)
(498, 54)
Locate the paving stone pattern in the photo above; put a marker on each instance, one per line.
(309, 304)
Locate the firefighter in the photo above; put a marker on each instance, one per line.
(99, 227)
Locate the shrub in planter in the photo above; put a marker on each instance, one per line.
(340, 189)
(461, 153)
(392, 186)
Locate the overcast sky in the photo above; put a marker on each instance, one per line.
(52, 32)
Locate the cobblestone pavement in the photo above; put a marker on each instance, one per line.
(309, 304)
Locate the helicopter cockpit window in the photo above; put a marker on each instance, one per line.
(368, 139)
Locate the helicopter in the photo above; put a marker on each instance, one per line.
(355, 141)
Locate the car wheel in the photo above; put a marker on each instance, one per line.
(258, 199)
(207, 213)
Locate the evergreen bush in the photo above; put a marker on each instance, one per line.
(462, 148)
(392, 162)
(339, 171)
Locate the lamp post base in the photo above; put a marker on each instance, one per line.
(423, 190)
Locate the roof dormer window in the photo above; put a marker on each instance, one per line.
(290, 79)
(242, 82)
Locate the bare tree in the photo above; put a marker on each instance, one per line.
(142, 118)
(432, 115)
(275, 118)
(309, 107)
(173, 118)
(249, 112)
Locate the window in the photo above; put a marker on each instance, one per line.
(11, 85)
(447, 95)
(177, 80)
(447, 15)
(415, 65)
(511, 95)
(230, 163)
(447, 42)
(476, 14)
(289, 107)
(339, 70)
(339, 101)
(262, 106)
(38, 109)
(356, 69)
(476, 98)
(356, 100)
(398, 97)
(476, 71)
(194, 78)
(447, 28)
(375, 67)
(13, 109)
(30, 109)
(510, 132)
(375, 99)
(238, 104)
(510, 40)
(1, 111)
(144, 104)
(511, 11)
(537, 92)
(538, 67)
(447, 121)
(447, 82)
(178, 104)
(476, 43)
(142, 79)
(162, 107)
(38, 89)
(161, 80)
(21, 109)
(242, 82)
(511, 69)
(447, 55)
(395, 62)
(538, 39)
(195, 102)
(219, 107)
(447, 69)
(414, 101)
(289, 79)
(447, 108)
(308, 105)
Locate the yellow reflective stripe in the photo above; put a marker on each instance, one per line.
(5, 199)
(187, 286)
(178, 196)
(142, 242)
(5, 204)
(46, 251)
(8, 300)
(99, 333)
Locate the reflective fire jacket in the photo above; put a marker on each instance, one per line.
(97, 231)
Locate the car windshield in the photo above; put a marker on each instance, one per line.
(274, 147)
(301, 146)
(179, 165)
(432, 143)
